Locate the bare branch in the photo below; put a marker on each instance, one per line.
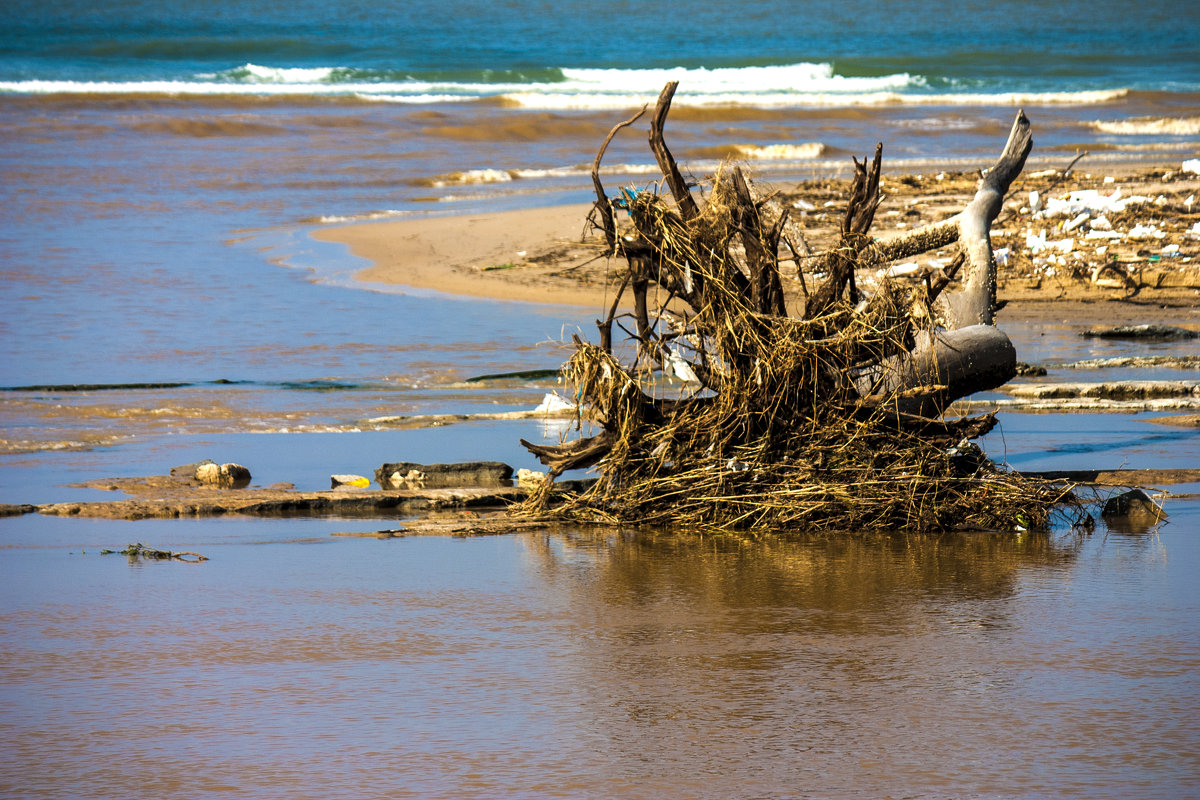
(666, 162)
(602, 202)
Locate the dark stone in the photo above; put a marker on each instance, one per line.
(443, 476)
(1133, 511)
(9, 510)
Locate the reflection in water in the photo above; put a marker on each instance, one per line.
(572, 664)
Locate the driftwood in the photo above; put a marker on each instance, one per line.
(828, 416)
(139, 550)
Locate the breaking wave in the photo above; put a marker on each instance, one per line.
(474, 177)
(802, 84)
(1151, 126)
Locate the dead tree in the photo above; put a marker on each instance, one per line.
(782, 418)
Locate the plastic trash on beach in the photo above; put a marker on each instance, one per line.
(349, 481)
(554, 403)
(1145, 231)
(1075, 222)
(1192, 165)
(900, 270)
(1038, 243)
(680, 368)
(1092, 202)
(1001, 257)
(530, 480)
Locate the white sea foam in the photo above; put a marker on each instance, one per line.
(790, 78)
(815, 100)
(782, 86)
(332, 219)
(1152, 126)
(489, 175)
(186, 88)
(254, 73)
(780, 152)
(473, 176)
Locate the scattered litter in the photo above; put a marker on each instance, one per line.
(1133, 503)
(554, 403)
(349, 481)
(1091, 201)
(1083, 217)
(529, 479)
(1141, 231)
(1192, 165)
(676, 365)
(900, 270)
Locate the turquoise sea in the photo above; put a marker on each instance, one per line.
(162, 165)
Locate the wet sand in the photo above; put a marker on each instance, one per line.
(537, 255)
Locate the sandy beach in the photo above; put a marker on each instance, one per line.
(1147, 268)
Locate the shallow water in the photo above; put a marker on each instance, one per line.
(561, 664)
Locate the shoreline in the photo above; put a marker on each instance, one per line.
(550, 255)
(500, 255)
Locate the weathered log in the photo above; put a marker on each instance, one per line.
(975, 303)
(965, 360)
(762, 249)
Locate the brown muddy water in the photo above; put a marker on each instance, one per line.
(297, 664)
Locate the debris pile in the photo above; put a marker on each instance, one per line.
(719, 409)
(1062, 233)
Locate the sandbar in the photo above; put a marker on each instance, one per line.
(553, 255)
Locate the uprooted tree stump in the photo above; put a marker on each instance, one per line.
(827, 417)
